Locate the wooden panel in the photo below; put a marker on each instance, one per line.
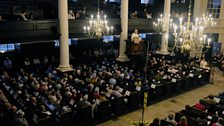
(21, 26)
(3, 26)
(45, 25)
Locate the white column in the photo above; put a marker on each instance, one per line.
(165, 35)
(124, 31)
(63, 26)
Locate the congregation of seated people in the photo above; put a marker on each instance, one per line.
(48, 93)
(207, 112)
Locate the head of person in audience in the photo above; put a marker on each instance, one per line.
(1, 92)
(156, 122)
(14, 108)
(85, 97)
(33, 100)
(202, 102)
(20, 114)
(187, 107)
(171, 116)
(183, 121)
(210, 97)
(7, 105)
(42, 108)
(221, 121)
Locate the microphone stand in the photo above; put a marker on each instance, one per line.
(145, 98)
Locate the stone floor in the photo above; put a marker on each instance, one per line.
(174, 104)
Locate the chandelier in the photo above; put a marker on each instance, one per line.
(188, 35)
(98, 26)
(159, 25)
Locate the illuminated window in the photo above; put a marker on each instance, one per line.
(214, 7)
(144, 1)
(9, 47)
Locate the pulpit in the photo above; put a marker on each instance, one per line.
(135, 47)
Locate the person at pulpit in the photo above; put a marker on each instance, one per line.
(135, 38)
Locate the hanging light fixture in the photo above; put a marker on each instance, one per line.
(159, 25)
(188, 35)
(98, 26)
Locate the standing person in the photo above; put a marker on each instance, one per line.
(135, 38)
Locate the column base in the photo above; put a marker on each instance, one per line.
(162, 52)
(64, 68)
(123, 59)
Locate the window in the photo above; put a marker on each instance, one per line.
(213, 8)
(9, 47)
(142, 36)
(114, 1)
(57, 42)
(107, 39)
(144, 1)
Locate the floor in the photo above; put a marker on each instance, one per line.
(171, 105)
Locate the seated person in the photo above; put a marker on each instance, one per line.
(155, 122)
(200, 105)
(211, 104)
(134, 14)
(204, 64)
(71, 15)
(183, 121)
(148, 15)
(171, 119)
(22, 15)
(220, 122)
(172, 70)
(19, 120)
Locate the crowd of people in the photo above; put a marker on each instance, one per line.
(112, 10)
(87, 85)
(218, 60)
(138, 14)
(207, 112)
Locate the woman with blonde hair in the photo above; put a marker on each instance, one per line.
(183, 121)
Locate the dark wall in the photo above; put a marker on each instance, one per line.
(38, 49)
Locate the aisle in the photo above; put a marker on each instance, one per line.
(174, 104)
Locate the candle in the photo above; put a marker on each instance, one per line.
(90, 22)
(201, 39)
(181, 39)
(209, 40)
(84, 29)
(98, 16)
(112, 29)
(175, 28)
(181, 20)
(204, 36)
